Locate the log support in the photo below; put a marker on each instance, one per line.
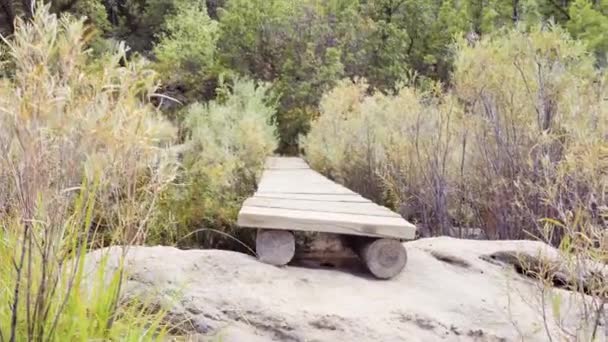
(384, 258)
(275, 247)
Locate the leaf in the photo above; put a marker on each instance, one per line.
(556, 303)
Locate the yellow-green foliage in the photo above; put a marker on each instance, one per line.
(384, 145)
(60, 298)
(520, 137)
(82, 155)
(232, 136)
(538, 123)
(185, 52)
(226, 145)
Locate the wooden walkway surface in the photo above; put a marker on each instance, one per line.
(292, 196)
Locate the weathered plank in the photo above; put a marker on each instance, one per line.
(285, 163)
(356, 208)
(302, 181)
(290, 188)
(276, 218)
(313, 197)
(291, 196)
(308, 187)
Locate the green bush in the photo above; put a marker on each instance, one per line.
(223, 155)
(295, 45)
(186, 49)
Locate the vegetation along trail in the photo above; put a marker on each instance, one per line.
(444, 170)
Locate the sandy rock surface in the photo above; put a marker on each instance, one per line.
(450, 290)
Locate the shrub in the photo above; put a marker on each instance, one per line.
(518, 147)
(66, 116)
(296, 45)
(83, 159)
(342, 143)
(51, 294)
(519, 138)
(226, 145)
(536, 105)
(395, 149)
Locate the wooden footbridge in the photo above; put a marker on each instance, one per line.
(293, 197)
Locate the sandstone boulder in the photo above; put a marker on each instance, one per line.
(450, 290)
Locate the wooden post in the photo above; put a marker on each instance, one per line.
(384, 258)
(275, 247)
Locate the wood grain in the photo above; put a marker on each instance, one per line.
(275, 247)
(291, 196)
(356, 208)
(384, 258)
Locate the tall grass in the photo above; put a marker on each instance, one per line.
(83, 161)
(53, 296)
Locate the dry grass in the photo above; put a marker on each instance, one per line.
(83, 159)
(520, 138)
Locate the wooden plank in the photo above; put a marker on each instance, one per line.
(273, 218)
(306, 175)
(295, 182)
(285, 163)
(291, 196)
(297, 176)
(356, 208)
(301, 183)
(314, 197)
(302, 188)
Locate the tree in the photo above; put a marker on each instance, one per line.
(186, 51)
(450, 23)
(388, 41)
(295, 45)
(590, 24)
